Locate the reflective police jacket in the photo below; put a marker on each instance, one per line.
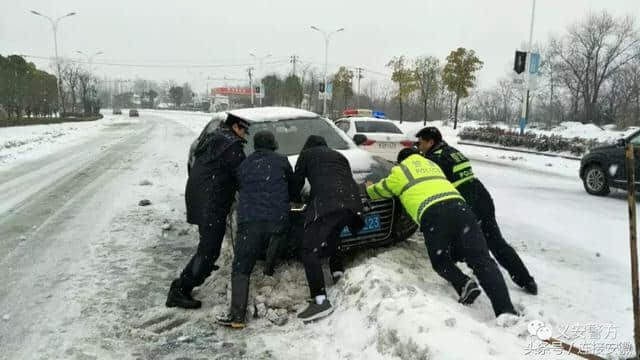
(419, 184)
(453, 163)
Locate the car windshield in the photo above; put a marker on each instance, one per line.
(292, 134)
(377, 127)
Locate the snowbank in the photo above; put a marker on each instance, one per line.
(25, 143)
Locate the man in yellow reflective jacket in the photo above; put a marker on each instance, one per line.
(457, 169)
(450, 229)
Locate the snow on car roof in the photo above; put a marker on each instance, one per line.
(272, 113)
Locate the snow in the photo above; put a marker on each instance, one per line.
(21, 143)
(272, 113)
(109, 262)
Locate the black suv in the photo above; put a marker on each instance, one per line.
(603, 168)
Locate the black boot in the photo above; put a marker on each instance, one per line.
(180, 296)
(531, 287)
(239, 298)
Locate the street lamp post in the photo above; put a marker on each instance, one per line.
(90, 58)
(261, 61)
(54, 27)
(525, 88)
(327, 37)
(250, 73)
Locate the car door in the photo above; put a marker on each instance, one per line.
(635, 141)
(618, 161)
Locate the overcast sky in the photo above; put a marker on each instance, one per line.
(214, 32)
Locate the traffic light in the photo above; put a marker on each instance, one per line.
(321, 87)
(258, 90)
(520, 62)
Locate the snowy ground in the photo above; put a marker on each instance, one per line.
(88, 269)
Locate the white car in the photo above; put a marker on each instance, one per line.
(386, 221)
(383, 137)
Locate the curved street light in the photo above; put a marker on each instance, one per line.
(327, 36)
(90, 58)
(54, 27)
(261, 60)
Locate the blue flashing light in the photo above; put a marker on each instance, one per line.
(379, 115)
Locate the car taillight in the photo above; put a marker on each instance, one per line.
(407, 143)
(369, 142)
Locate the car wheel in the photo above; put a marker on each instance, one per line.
(595, 180)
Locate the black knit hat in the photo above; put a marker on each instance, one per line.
(313, 141)
(405, 153)
(430, 133)
(265, 140)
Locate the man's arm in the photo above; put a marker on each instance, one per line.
(288, 173)
(232, 158)
(297, 179)
(389, 186)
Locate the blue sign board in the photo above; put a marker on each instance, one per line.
(534, 63)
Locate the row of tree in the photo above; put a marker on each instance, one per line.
(424, 79)
(25, 90)
(590, 74)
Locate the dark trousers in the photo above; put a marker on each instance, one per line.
(452, 234)
(480, 201)
(203, 262)
(321, 239)
(254, 239)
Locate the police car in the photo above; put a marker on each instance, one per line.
(374, 133)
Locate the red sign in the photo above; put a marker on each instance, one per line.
(231, 91)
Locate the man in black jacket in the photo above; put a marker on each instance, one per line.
(457, 169)
(334, 203)
(263, 219)
(210, 191)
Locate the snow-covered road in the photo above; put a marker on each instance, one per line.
(86, 270)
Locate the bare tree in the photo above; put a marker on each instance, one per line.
(427, 72)
(70, 77)
(591, 52)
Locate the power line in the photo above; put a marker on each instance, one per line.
(388, 75)
(179, 66)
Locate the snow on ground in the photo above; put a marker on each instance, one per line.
(108, 262)
(537, 163)
(23, 143)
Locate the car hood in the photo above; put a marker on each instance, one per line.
(364, 166)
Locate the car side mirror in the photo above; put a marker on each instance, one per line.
(359, 139)
(621, 142)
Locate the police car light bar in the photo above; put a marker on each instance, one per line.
(379, 115)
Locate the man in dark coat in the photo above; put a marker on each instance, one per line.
(210, 191)
(458, 171)
(263, 219)
(334, 203)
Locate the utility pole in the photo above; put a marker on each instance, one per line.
(250, 72)
(327, 37)
(359, 76)
(261, 59)
(293, 59)
(525, 87)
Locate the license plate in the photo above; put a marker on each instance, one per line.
(386, 145)
(371, 224)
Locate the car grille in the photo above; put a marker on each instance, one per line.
(384, 208)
